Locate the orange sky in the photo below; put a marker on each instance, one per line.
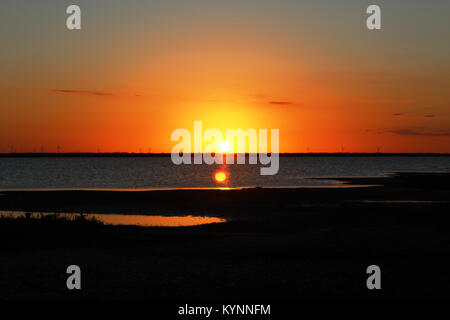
(136, 72)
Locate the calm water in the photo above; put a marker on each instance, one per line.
(127, 220)
(159, 173)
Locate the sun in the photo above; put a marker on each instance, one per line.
(220, 176)
(224, 146)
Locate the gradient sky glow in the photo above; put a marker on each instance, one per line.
(140, 69)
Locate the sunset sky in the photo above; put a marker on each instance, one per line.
(137, 70)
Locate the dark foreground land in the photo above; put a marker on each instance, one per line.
(278, 243)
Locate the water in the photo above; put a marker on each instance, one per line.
(127, 220)
(161, 173)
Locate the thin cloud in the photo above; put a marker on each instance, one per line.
(281, 102)
(408, 132)
(412, 114)
(365, 100)
(93, 93)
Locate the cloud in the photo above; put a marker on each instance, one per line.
(365, 100)
(412, 114)
(281, 102)
(93, 93)
(408, 132)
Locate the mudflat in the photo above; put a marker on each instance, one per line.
(291, 243)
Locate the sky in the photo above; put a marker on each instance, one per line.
(138, 70)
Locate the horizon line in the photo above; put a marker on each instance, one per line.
(164, 154)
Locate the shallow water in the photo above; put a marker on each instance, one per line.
(128, 220)
(161, 173)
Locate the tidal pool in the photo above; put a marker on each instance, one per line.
(125, 219)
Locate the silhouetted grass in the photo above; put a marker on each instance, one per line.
(50, 219)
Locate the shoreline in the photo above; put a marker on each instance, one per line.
(344, 186)
(144, 155)
(235, 202)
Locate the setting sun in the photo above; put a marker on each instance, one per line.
(224, 146)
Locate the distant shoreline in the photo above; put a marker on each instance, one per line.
(163, 155)
(235, 203)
